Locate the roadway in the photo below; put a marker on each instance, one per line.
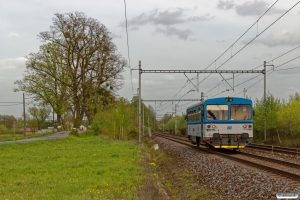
(45, 137)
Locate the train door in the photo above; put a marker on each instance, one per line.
(201, 122)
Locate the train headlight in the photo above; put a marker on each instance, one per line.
(245, 125)
(214, 126)
(249, 126)
(208, 126)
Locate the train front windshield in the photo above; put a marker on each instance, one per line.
(220, 112)
(217, 112)
(240, 112)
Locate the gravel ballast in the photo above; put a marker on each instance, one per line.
(231, 179)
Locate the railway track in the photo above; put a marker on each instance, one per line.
(289, 170)
(285, 150)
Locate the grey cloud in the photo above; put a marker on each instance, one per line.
(205, 17)
(220, 41)
(134, 28)
(167, 17)
(225, 5)
(114, 35)
(280, 38)
(141, 19)
(267, 54)
(13, 35)
(181, 34)
(7, 64)
(256, 8)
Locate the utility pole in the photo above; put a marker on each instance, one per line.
(202, 97)
(245, 92)
(53, 118)
(140, 73)
(265, 107)
(198, 81)
(175, 119)
(265, 103)
(154, 116)
(137, 103)
(24, 114)
(265, 95)
(143, 119)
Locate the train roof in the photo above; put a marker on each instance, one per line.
(223, 100)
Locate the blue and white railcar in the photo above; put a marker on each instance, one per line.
(225, 122)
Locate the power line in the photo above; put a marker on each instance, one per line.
(247, 43)
(259, 34)
(282, 54)
(255, 36)
(128, 47)
(287, 69)
(286, 62)
(269, 73)
(273, 59)
(239, 39)
(241, 36)
(12, 104)
(127, 33)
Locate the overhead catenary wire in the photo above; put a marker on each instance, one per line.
(15, 104)
(272, 70)
(128, 54)
(257, 75)
(257, 35)
(271, 61)
(230, 47)
(287, 69)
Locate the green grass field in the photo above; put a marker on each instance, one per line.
(85, 167)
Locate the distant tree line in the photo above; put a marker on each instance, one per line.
(282, 120)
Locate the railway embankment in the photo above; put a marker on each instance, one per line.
(232, 180)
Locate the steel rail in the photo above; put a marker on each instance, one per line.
(286, 150)
(286, 174)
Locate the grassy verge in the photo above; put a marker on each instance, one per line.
(10, 137)
(172, 180)
(85, 167)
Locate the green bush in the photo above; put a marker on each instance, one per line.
(117, 122)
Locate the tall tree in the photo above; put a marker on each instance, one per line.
(81, 60)
(46, 86)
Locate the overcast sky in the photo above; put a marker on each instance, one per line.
(169, 35)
